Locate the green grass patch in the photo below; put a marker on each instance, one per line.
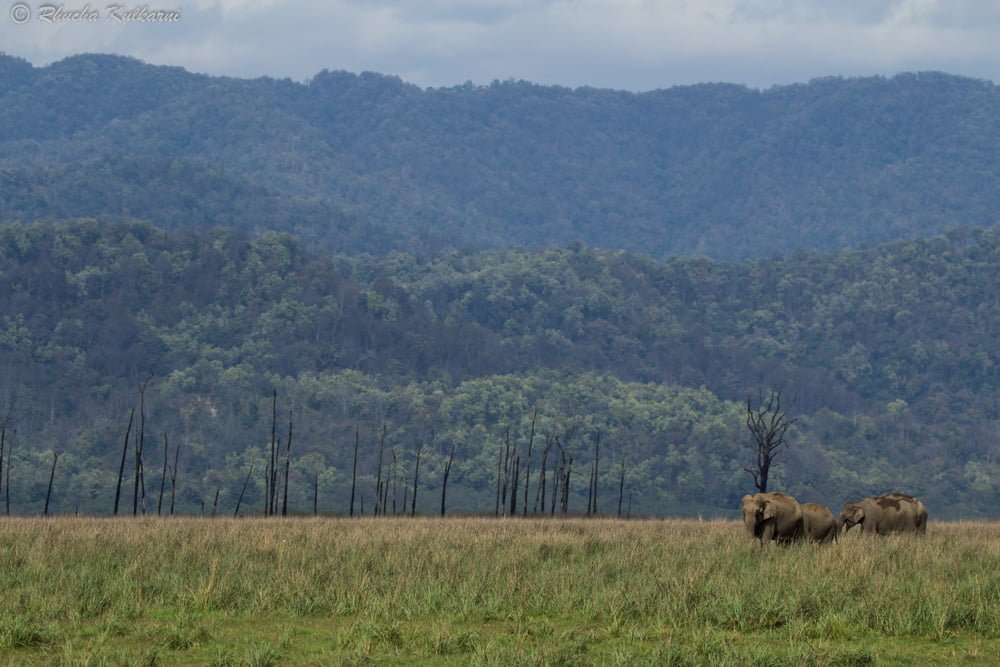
(488, 592)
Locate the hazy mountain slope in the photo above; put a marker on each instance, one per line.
(720, 170)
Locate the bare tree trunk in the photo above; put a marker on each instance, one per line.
(444, 483)
(621, 486)
(142, 487)
(395, 481)
(3, 436)
(173, 478)
(52, 476)
(592, 482)
(10, 464)
(515, 473)
(315, 493)
(354, 471)
(138, 452)
(496, 511)
(121, 467)
(527, 464)
(239, 501)
(273, 467)
(506, 471)
(163, 476)
(590, 491)
(215, 503)
(569, 471)
(416, 479)
(557, 476)
(378, 475)
(540, 491)
(288, 458)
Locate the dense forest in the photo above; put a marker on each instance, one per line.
(887, 356)
(369, 163)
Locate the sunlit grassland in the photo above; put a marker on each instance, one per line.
(483, 591)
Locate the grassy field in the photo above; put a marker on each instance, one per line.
(482, 591)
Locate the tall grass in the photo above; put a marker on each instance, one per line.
(272, 591)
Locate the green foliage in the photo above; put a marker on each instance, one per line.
(368, 163)
(886, 351)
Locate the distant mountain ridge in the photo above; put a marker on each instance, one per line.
(716, 169)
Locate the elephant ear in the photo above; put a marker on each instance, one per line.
(770, 511)
(858, 515)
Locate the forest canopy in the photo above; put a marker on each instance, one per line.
(889, 352)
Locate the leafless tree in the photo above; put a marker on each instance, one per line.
(239, 501)
(768, 422)
(121, 467)
(288, 458)
(444, 482)
(163, 476)
(354, 470)
(52, 476)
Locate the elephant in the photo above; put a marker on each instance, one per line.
(819, 523)
(888, 513)
(773, 516)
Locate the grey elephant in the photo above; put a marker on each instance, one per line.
(819, 523)
(773, 517)
(888, 513)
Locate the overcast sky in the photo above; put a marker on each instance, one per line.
(630, 44)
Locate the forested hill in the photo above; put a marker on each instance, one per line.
(718, 170)
(889, 351)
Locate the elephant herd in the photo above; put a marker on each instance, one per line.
(780, 518)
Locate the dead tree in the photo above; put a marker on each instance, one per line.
(444, 482)
(273, 465)
(215, 503)
(354, 471)
(621, 486)
(52, 476)
(163, 476)
(540, 489)
(121, 467)
(10, 464)
(139, 482)
(288, 455)
(592, 485)
(315, 493)
(385, 492)
(506, 471)
(496, 511)
(395, 481)
(515, 472)
(527, 465)
(239, 501)
(768, 424)
(416, 480)
(557, 475)
(565, 486)
(3, 435)
(173, 478)
(378, 474)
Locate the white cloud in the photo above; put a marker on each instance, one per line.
(634, 44)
